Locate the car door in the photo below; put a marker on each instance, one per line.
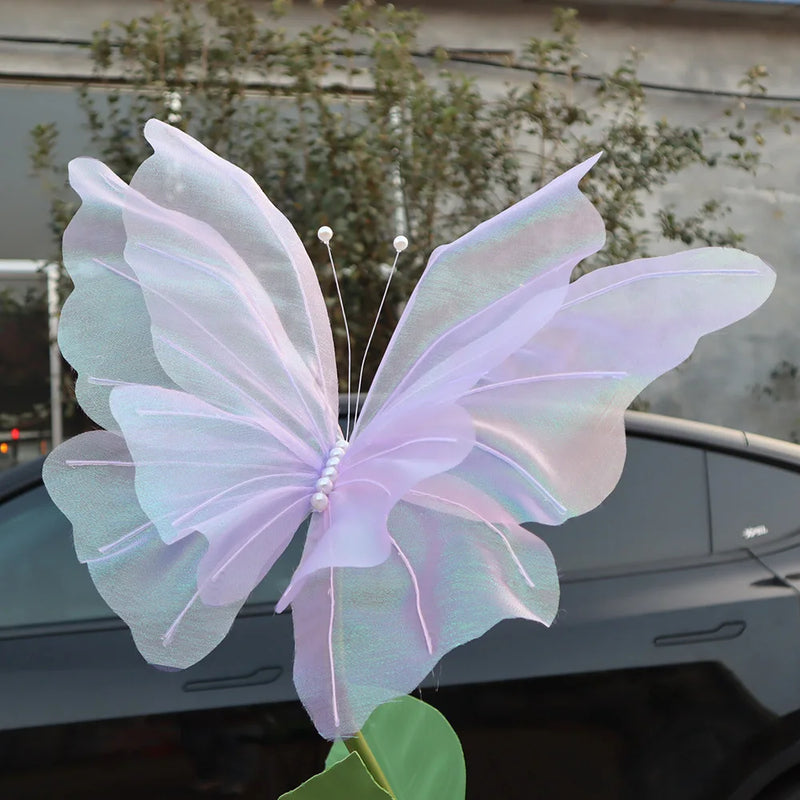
(643, 586)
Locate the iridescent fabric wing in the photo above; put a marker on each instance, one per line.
(91, 334)
(550, 439)
(224, 421)
(485, 294)
(365, 636)
(187, 177)
(150, 584)
(546, 407)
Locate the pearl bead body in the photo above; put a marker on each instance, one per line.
(324, 485)
(326, 482)
(319, 501)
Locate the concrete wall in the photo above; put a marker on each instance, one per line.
(692, 51)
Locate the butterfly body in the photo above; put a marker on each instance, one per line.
(202, 346)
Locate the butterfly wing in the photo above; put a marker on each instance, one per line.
(481, 298)
(546, 405)
(150, 584)
(549, 421)
(466, 312)
(366, 636)
(221, 420)
(185, 176)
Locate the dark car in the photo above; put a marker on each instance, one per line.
(671, 671)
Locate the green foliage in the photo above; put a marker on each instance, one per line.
(782, 386)
(345, 124)
(345, 780)
(416, 748)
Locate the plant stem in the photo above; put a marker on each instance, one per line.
(358, 744)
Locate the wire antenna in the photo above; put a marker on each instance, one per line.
(400, 243)
(325, 234)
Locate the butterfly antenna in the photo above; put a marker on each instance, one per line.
(400, 243)
(325, 234)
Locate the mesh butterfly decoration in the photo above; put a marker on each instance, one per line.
(203, 348)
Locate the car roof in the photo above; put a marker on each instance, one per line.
(18, 479)
(712, 437)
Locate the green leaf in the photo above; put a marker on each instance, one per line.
(345, 780)
(417, 749)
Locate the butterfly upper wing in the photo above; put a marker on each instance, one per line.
(185, 176)
(462, 317)
(222, 421)
(550, 438)
(106, 293)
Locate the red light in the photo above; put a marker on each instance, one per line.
(15, 433)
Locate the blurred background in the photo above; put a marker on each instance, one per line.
(423, 120)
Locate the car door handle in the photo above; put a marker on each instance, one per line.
(726, 630)
(258, 677)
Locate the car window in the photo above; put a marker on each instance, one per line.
(751, 502)
(658, 512)
(42, 582)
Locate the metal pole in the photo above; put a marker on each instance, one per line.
(400, 218)
(56, 416)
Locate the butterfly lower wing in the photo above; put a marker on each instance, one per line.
(150, 584)
(550, 438)
(365, 636)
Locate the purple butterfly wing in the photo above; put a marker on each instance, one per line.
(550, 439)
(450, 561)
(485, 294)
(546, 405)
(106, 291)
(223, 420)
(185, 176)
(150, 584)
(365, 636)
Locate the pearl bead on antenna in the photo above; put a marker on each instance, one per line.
(325, 234)
(400, 243)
